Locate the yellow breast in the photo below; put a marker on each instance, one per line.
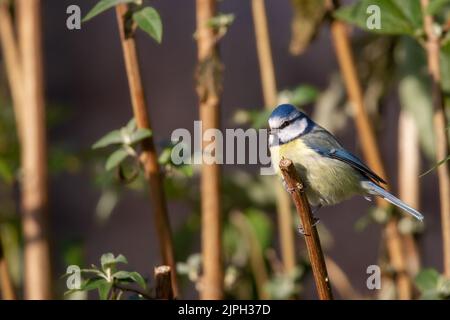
(328, 181)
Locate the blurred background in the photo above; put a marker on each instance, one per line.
(86, 91)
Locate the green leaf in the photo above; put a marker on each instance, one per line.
(139, 135)
(187, 170)
(436, 5)
(396, 16)
(436, 165)
(116, 158)
(303, 95)
(136, 277)
(261, 226)
(6, 172)
(108, 259)
(113, 137)
(93, 283)
(103, 290)
(104, 5)
(131, 125)
(221, 20)
(427, 279)
(149, 21)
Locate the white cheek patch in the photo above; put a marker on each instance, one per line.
(293, 130)
(299, 126)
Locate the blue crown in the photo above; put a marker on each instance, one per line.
(283, 110)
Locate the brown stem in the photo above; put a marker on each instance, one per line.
(134, 290)
(163, 288)
(409, 182)
(312, 240)
(442, 143)
(11, 55)
(370, 149)
(268, 81)
(209, 71)
(6, 286)
(34, 154)
(149, 157)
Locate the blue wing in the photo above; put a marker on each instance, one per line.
(347, 157)
(326, 145)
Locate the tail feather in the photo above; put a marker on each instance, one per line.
(374, 189)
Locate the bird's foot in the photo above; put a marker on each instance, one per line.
(315, 222)
(316, 209)
(293, 189)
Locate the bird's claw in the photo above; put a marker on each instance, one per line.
(291, 190)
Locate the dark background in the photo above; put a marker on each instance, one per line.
(85, 73)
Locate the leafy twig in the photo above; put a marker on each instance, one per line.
(369, 146)
(442, 143)
(149, 156)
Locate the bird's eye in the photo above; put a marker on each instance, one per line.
(284, 124)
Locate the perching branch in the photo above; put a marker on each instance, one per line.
(149, 157)
(369, 147)
(269, 86)
(312, 240)
(37, 267)
(442, 143)
(163, 287)
(209, 70)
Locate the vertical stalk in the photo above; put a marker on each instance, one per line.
(34, 154)
(370, 149)
(442, 143)
(409, 182)
(6, 287)
(163, 283)
(149, 157)
(209, 90)
(312, 240)
(11, 55)
(268, 81)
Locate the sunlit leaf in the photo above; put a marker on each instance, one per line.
(131, 125)
(221, 20)
(104, 5)
(396, 16)
(148, 20)
(299, 96)
(113, 137)
(115, 159)
(427, 279)
(109, 259)
(436, 5)
(139, 135)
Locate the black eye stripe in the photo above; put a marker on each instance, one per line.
(288, 122)
(284, 124)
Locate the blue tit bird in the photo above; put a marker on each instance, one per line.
(330, 173)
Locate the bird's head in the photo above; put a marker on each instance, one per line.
(287, 123)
